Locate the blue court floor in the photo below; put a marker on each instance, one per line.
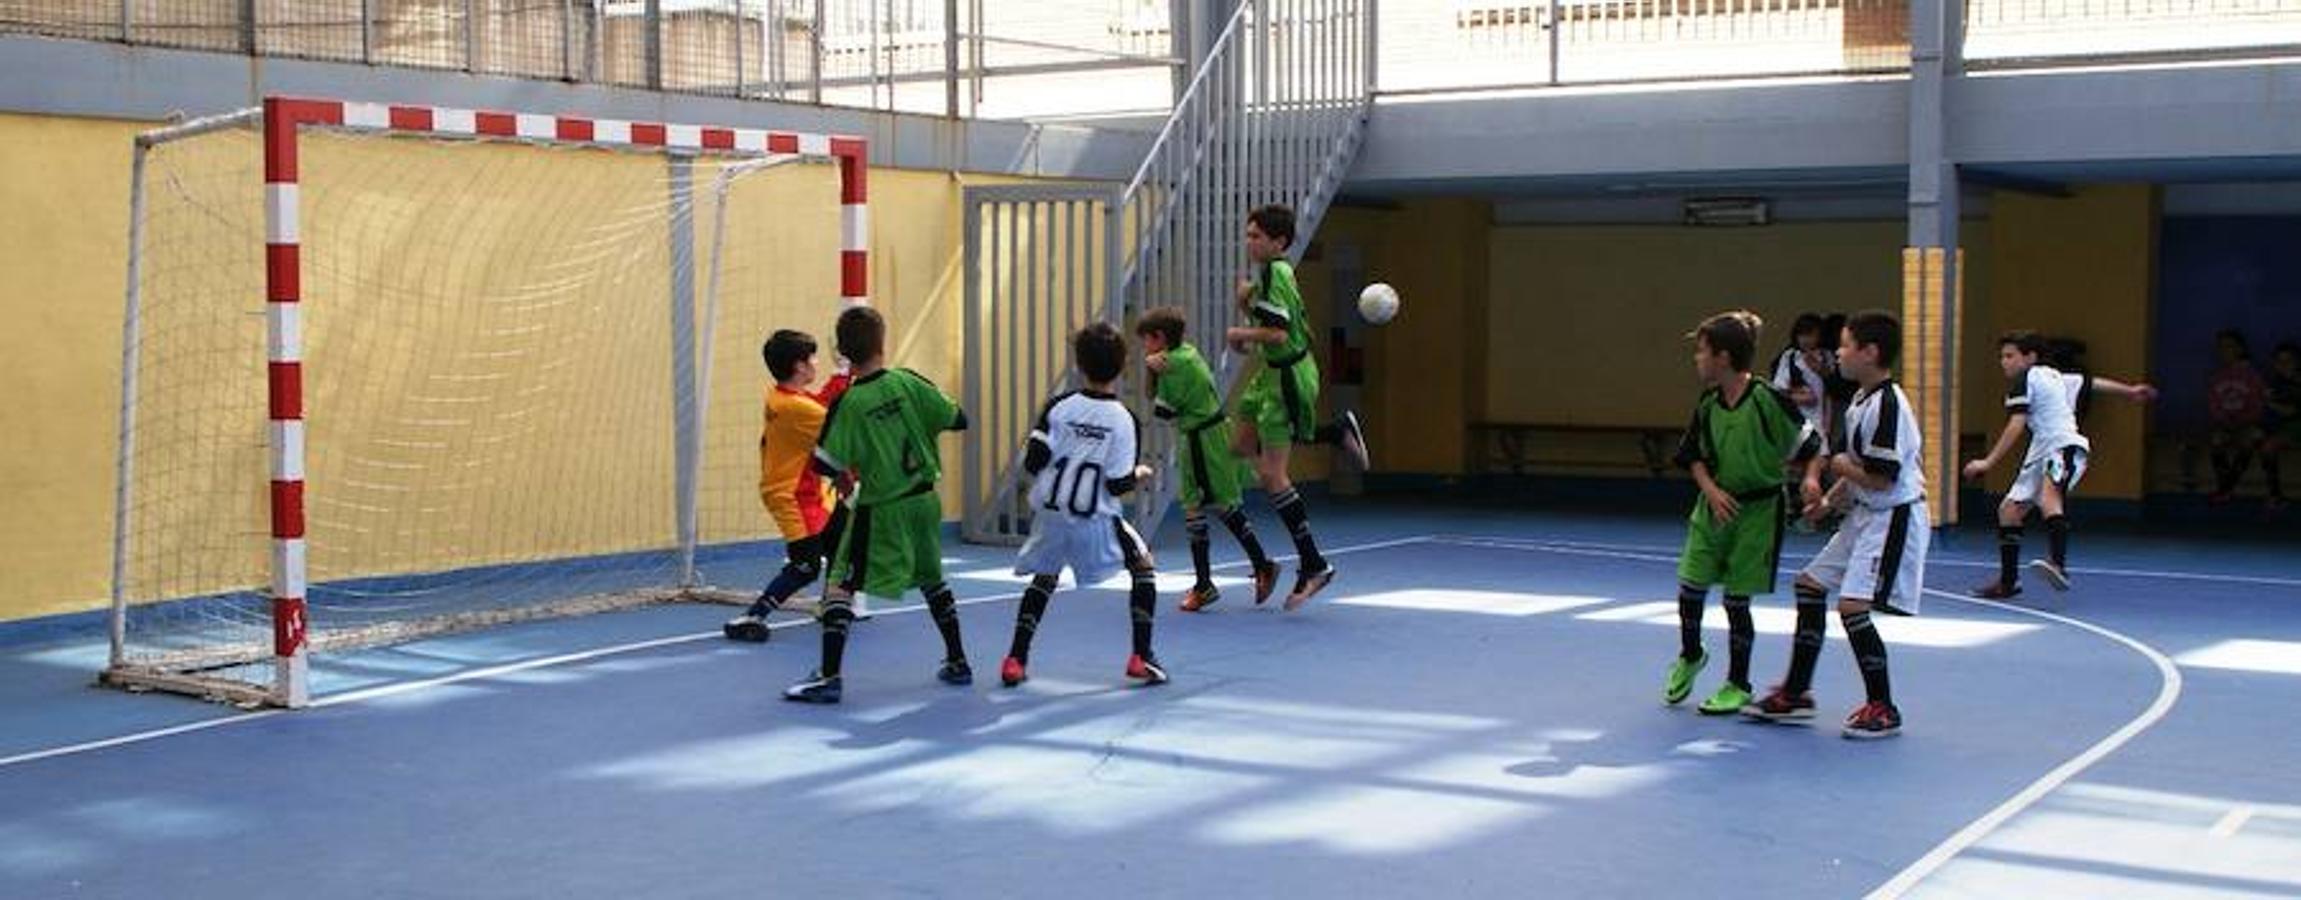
(1471, 711)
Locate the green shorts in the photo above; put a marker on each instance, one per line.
(1211, 475)
(895, 546)
(1741, 554)
(1283, 403)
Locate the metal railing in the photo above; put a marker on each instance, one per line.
(1484, 44)
(998, 58)
(1274, 114)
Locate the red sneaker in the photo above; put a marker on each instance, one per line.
(1873, 721)
(1011, 672)
(1779, 706)
(1146, 670)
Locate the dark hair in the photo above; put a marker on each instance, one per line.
(1831, 325)
(1806, 323)
(1165, 321)
(862, 334)
(785, 350)
(1732, 333)
(2023, 340)
(1877, 328)
(1276, 221)
(2232, 334)
(1101, 352)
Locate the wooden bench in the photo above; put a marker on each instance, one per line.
(1516, 447)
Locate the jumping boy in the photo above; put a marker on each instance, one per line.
(1279, 407)
(791, 489)
(883, 430)
(2047, 403)
(1184, 393)
(1082, 453)
(1742, 433)
(1876, 560)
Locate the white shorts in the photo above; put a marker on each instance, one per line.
(2064, 468)
(1877, 555)
(1094, 549)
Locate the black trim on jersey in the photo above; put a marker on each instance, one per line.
(958, 418)
(1694, 445)
(1037, 452)
(2084, 401)
(1124, 484)
(2017, 394)
(1884, 468)
(1890, 556)
(1885, 426)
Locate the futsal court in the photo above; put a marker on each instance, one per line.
(1472, 710)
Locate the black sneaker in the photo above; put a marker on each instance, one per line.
(1998, 590)
(1354, 440)
(955, 671)
(749, 628)
(1779, 706)
(1307, 585)
(817, 688)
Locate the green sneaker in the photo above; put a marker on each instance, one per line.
(1681, 681)
(1729, 700)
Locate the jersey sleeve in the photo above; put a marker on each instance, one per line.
(838, 442)
(1166, 393)
(1039, 447)
(1281, 299)
(1801, 441)
(1120, 454)
(831, 389)
(2017, 396)
(1694, 445)
(1881, 449)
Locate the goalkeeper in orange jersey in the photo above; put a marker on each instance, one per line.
(793, 492)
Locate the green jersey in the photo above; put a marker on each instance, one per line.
(884, 430)
(1186, 391)
(1745, 444)
(1278, 304)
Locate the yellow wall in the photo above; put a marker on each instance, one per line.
(1589, 322)
(2081, 267)
(67, 197)
(578, 330)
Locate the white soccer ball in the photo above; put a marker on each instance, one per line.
(1378, 304)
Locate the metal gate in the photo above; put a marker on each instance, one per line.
(1040, 265)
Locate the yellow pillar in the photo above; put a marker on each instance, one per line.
(1932, 308)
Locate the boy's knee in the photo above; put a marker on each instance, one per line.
(1849, 606)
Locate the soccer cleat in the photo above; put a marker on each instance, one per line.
(749, 628)
(1265, 581)
(1200, 597)
(1779, 706)
(955, 671)
(817, 688)
(1729, 700)
(1146, 670)
(1873, 721)
(1354, 440)
(1998, 590)
(1307, 585)
(1011, 672)
(2053, 574)
(1680, 681)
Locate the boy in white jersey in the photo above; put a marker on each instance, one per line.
(1082, 453)
(2045, 402)
(1798, 370)
(1877, 558)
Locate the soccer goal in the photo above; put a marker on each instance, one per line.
(397, 371)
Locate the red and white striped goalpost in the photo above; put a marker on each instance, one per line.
(285, 117)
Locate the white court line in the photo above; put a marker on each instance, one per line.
(407, 687)
(2170, 575)
(2168, 692)
(2229, 824)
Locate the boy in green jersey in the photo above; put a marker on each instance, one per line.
(1742, 432)
(1279, 407)
(1183, 392)
(883, 432)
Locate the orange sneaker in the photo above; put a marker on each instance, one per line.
(1200, 597)
(1265, 581)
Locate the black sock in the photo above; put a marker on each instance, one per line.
(1869, 653)
(1027, 617)
(945, 610)
(1142, 603)
(2008, 554)
(1742, 633)
(1234, 519)
(1691, 599)
(1194, 524)
(794, 576)
(1806, 647)
(2057, 539)
(1289, 505)
(838, 611)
